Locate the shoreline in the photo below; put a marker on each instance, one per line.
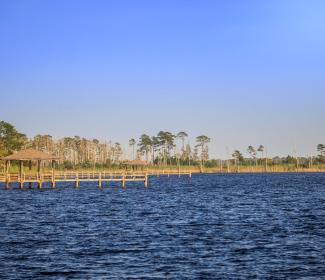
(176, 171)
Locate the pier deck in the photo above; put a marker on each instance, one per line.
(81, 176)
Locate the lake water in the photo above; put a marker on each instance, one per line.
(230, 226)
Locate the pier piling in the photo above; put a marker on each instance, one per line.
(123, 181)
(146, 181)
(100, 180)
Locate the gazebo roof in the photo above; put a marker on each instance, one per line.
(136, 162)
(30, 154)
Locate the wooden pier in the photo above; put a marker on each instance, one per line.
(71, 176)
(54, 176)
(76, 177)
(170, 172)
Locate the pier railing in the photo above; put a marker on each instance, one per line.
(82, 176)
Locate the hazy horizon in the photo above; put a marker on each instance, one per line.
(242, 73)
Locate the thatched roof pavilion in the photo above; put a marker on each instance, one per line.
(136, 163)
(29, 155)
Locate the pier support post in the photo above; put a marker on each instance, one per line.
(53, 176)
(38, 168)
(40, 181)
(100, 180)
(30, 170)
(146, 180)
(53, 181)
(20, 174)
(7, 174)
(21, 180)
(7, 181)
(123, 181)
(77, 180)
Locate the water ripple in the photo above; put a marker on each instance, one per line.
(233, 226)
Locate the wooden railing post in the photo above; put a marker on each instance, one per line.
(123, 181)
(77, 180)
(7, 180)
(30, 171)
(146, 180)
(53, 179)
(21, 180)
(7, 174)
(53, 174)
(40, 181)
(100, 180)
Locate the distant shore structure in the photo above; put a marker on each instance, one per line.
(136, 164)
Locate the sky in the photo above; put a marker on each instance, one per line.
(241, 72)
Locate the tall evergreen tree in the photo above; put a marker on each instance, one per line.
(202, 141)
(251, 150)
(132, 145)
(145, 144)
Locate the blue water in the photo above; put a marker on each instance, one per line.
(232, 226)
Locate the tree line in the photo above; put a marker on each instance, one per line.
(162, 149)
(165, 148)
(77, 151)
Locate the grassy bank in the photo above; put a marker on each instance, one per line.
(193, 169)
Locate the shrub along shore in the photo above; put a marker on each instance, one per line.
(175, 169)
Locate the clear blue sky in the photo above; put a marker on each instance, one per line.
(241, 72)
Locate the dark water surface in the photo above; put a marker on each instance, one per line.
(233, 226)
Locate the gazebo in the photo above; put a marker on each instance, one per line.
(136, 163)
(29, 155)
